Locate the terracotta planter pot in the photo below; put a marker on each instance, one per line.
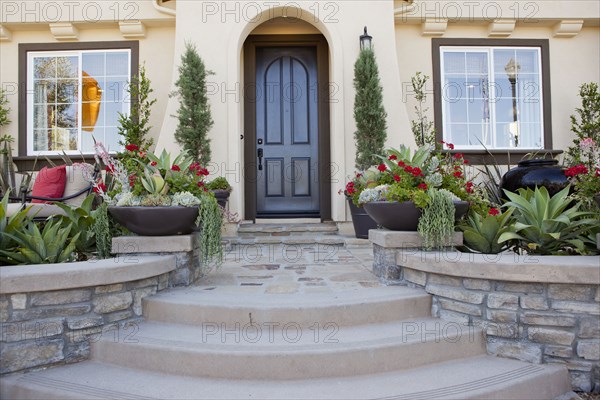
(156, 221)
(404, 216)
(222, 196)
(532, 173)
(361, 220)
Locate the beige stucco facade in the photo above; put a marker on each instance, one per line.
(402, 34)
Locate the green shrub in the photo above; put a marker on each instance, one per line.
(219, 183)
(481, 234)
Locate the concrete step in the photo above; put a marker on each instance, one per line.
(257, 352)
(482, 377)
(250, 230)
(323, 240)
(195, 306)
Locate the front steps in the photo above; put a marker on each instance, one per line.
(292, 234)
(372, 343)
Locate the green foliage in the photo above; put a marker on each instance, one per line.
(550, 225)
(219, 183)
(585, 124)
(369, 113)
(4, 109)
(436, 225)
(481, 234)
(422, 128)
(7, 166)
(135, 126)
(194, 114)
(53, 244)
(82, 222)
(102, 231)
(10, 225)
(210, 221)
(401, 194)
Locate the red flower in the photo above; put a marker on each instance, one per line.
(132, 147)
(100, 188)
(195, 166)
(450, 146)
(175, 167)
(458, 156)
(458, 174)
(358, 175)
(493, 212)
(110, 168)
(396, 178)
(417, 171)
(465, 161)
(408, 169)
(576, 170)
(142, 154)
(201, 184)
(401, 164)
(597, 172)
(203, 171)
(469, 187)
(350, 190)
(422, 186)
(132, 179)
(154, 163)
(382, 167)
(392, 157)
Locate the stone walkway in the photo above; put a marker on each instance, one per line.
(288, 269)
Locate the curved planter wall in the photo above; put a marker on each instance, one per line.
(50, 313)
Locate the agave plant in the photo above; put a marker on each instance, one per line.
(82, 221)
(10, 225)
(481, 234)
(550, 225)
(51, 245)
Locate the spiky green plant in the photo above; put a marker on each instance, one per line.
(550, 225)
(82, 220)
(51, 245)
(481, 234)
(436, 225)
(102, 231)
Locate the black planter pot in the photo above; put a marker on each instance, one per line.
(222, 196)
(361, 220)
(532, 173)
(156, 221)
(404, 216)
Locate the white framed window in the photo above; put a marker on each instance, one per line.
(492, 97)
(74, 97)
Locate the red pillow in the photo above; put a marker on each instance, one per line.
(50, 182)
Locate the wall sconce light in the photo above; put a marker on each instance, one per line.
(366, 41)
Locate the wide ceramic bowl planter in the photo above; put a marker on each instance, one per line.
(532, 173)
(361, 220)
(156, 221)
(404, 216)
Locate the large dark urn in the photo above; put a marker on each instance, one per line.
(404, 216)
(532, 173)
(156, 221)
(361, 220)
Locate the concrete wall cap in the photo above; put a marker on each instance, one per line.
(45, 277)
(505, 266)
(152, 244)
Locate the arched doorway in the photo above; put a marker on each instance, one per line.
(287, 128)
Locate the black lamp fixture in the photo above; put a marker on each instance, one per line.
(366, 41)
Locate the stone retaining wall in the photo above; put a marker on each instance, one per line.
(49, 314)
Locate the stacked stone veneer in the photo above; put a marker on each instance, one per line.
(50, 314)
(535, 309)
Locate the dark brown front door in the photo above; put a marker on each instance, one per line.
(287, 131)
(287, 172)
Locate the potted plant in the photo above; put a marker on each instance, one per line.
(425, 191)
(360, 219)
(370, 134)
(221, 189)
(154, 196)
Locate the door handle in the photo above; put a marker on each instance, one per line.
(260, 157)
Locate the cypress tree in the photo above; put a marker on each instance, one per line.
(194, 115)
(369, 113)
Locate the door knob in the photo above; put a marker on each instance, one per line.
(260, 157)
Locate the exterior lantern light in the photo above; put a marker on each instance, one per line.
(366, 41)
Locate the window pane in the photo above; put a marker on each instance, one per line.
(87, 139)
(454, 62)
(457, 134)
(117, 64)
(454, 89)
(93, 63)
(112, 113)
(66, 115)
(457, 111)
(505, 134)
(67, 67)
(40, 139)
(67, 91)
(44, 67)
(478, 111)
(44, 91)
(528, 60)
(530, 135)
(477, 63)
(502, 60)
(505, 110)
(111, 138)
(43, 116)
(115, 89)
